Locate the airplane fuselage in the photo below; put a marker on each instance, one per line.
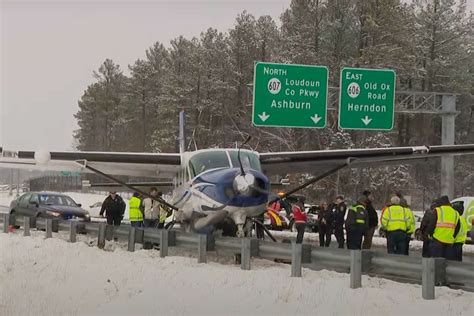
(211, 182)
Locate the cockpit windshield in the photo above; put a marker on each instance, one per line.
(208, 160)
(249, 160)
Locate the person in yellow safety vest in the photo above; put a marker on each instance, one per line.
(399, 223)
(135, 214)
(443, 227)
(455, 252)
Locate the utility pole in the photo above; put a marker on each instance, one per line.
(448, 116)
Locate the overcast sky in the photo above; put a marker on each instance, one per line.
(49, 50)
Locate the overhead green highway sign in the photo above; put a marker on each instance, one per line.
(289, 95)
(366, 99)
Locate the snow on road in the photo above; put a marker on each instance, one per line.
(53, 277)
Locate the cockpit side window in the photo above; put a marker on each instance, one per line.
(208, 160)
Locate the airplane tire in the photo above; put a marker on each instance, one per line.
(229, 228)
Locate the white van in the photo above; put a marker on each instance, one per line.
(468, 203)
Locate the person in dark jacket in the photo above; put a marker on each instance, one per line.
(339, 209)
(300, 219)
(373, 219)
(325, 225)
(425, 224)
(114, 208)
(439, 248)
(356, 223)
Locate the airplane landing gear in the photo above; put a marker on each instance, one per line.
(240, 231)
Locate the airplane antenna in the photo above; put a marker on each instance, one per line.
(182, 139)
(238, 154)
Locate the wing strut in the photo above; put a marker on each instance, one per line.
(257, 222)
(158, 199)
(315, 179)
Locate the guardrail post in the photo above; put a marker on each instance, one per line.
(202, 248)
(211, 243)
(101, 237)
(49, 228)
(72, 231)
(163, 243)
(296, 258)
(356, 269)
(55, 225)
(131, 239)
(139, 235)
(26, 226)
(245, 253)
(33, 222)
(6, 222)
(428, 278)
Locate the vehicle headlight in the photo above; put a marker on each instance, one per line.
(55, 214)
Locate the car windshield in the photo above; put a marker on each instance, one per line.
(249, 160)
(208, 160)
(49, 199)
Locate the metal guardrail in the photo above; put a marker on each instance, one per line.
(427, 271)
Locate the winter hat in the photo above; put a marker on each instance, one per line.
(395, 200)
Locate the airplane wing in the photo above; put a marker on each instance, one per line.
(158, 165)
(310, 161)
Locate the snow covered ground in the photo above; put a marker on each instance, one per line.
(53, 277)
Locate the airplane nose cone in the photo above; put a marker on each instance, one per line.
(244, 183)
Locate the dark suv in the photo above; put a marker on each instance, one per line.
(48, 205)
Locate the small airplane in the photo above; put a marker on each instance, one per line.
(211, 186)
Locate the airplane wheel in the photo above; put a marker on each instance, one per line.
(228, 227)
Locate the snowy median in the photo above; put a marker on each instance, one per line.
(53, 277)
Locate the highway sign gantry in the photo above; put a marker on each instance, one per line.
(290, 95)
(366, 99)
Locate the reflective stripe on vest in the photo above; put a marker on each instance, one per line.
(354, 209)
(397, 218)
(134, 209)
(446, 224)
(462, 234)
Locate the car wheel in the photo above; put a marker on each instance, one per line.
(39, 215)
(418, 234)
(13, 214)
